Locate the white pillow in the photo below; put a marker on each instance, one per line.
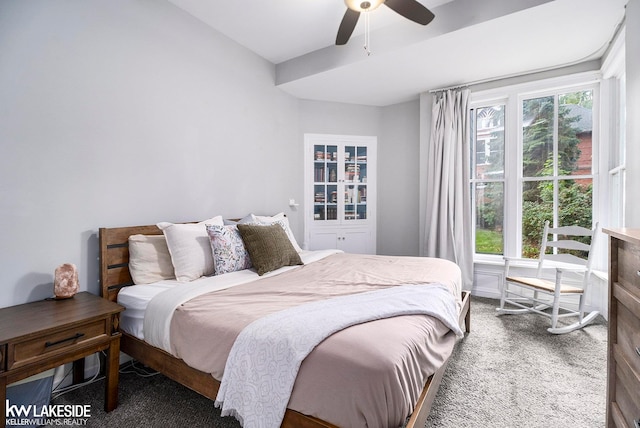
(248, 219)
(190, 248)
(149, 259)
(281, 219)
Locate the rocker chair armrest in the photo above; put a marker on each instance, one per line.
(577, 269)
(519, 262)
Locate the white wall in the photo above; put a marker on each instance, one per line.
(319, 117)
(632, 214)
(398, 184)
(115, 113)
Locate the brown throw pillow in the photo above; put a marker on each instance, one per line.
(269, 247)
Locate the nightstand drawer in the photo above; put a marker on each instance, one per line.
(41, 347)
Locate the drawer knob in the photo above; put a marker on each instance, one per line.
(637, 423)
(57, 342)
(638, 350)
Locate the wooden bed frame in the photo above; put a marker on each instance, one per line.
(114, 275)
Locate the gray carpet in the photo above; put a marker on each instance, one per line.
(509, 372)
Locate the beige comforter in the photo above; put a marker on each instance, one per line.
(368, 375)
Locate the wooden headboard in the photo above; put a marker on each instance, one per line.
(114, 257)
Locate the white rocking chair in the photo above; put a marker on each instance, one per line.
(523, 292)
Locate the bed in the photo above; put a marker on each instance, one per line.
(115, 277)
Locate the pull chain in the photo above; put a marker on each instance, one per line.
(367, 29)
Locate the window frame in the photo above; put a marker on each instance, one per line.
(473, 180)
(614, 102)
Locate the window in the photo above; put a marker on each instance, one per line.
(557, 180)
(487, 176)
(532, 159)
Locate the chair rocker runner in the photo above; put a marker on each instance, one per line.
(524, 292)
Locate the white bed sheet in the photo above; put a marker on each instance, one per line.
(136, 298)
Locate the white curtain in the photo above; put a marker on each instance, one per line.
(448, 215)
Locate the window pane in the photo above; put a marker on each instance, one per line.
(574, 208)
(537, 207)
(575, 199)
(489, 141)
(489, 218)
(537, 137)
(575, 121)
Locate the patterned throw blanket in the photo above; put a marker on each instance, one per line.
(263, 363)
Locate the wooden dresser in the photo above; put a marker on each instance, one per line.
(623, 390)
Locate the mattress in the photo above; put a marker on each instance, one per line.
(136, 298)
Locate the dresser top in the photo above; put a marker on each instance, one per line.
(625, 233)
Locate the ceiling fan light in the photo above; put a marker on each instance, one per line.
(363, 5)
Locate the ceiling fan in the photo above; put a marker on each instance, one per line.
(410, 9)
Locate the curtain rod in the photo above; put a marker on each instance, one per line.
(433, 91)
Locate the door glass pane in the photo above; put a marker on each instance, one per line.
(349, 212)
(362, 173)
(318, 164)
(537, 137)
(361, 164)
(332, 164)
(361, 212)
(351, 167)
(332, 202)
(362, 154)
(350, 201)
(489, 218)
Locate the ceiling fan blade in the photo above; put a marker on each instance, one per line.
(347, 26)
(411, 9)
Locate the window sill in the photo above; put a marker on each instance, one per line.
(529, 263)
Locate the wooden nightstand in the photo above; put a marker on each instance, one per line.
(38, 336)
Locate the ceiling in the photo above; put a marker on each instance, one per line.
(468, 41)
